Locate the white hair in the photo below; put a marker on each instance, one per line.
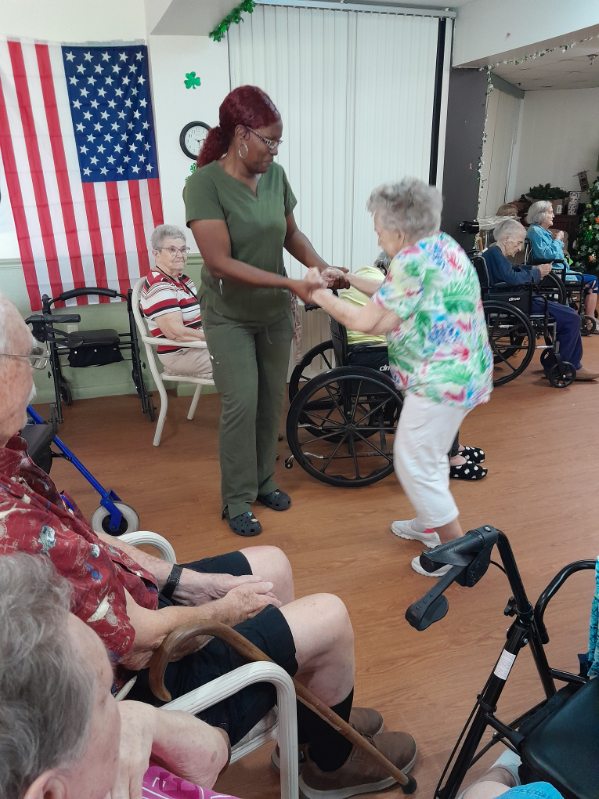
(537, 211)
(46, 691)
(508, 228)
(411, 207)
(163, 232)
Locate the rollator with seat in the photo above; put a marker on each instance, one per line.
(557, 740)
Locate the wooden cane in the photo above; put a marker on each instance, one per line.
(185, 633)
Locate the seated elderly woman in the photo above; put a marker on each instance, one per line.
(544, 247)
(366, 349)
(170, 303)
(430, 309)
(509, 239)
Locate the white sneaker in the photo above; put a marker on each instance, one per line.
(417, 566)
(404, 529)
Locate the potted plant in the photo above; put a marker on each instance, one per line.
(545, 191)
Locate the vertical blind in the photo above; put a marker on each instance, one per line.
(356, 93)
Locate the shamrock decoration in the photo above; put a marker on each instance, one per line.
(192, 81)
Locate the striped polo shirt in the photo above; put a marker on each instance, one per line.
(162, 294)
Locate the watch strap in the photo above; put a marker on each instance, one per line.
(172, 581)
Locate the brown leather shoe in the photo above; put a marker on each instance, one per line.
(584, 375)
(366, 720)
(360, 773)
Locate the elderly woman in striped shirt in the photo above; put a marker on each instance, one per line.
(170, 303)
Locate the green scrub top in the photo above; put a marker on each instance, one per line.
(257, 227)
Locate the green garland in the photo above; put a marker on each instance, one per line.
(233, 17)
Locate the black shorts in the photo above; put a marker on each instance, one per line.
(268, 630)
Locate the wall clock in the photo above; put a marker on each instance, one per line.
(192, 137)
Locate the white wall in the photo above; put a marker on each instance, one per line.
(559, 137)
(171, 57)
(486, 30)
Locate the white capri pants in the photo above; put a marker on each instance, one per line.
(192, 362)
(425, 433)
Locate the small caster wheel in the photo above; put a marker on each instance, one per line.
(289, 462)
(100, 521)
(561, 375)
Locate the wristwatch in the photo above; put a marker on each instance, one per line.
(172, 581)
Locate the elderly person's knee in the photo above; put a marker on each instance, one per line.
(272, 564)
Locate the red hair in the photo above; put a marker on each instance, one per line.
(246, 105)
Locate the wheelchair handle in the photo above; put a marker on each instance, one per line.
(69, 295)
(51, 319)
(552, 589)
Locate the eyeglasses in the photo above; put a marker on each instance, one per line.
(272, 144)
(174, 251)
(38, 357)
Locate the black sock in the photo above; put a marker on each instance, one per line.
(328, 748)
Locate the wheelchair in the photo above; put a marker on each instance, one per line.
(341, 423)
(557, 740)
(513, 328)
(573, 291)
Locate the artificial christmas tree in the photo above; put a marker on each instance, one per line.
(587, 249)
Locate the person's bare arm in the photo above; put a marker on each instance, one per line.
(299, 246)
(180, 742)
(152, 626)
(194, 587)
(172, 326)
(364, 284)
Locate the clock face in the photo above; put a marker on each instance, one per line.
(192, 137)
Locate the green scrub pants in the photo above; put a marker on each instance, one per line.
(250, 362)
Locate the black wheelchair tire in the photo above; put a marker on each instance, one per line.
(298, 379)
(556, 286)
(521, 338)
(338, 383)
(561, 375)
(588, 325)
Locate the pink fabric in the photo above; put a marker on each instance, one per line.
(161, 784)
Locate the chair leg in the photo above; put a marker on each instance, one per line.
(162, 415)
(194, 402)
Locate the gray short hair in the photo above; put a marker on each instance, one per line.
(46, 691)
(411, 207)
(163, 232)
(537, 211)
(507, 229)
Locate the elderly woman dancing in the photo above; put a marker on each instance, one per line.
(430, 309)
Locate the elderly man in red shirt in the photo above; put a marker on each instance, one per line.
(133, 601)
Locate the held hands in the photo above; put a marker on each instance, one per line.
(246, 601)
(335, 277)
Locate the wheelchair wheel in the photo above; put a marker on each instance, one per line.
(553, 288)
(561, 375)
(512, 340)
(318, 359)
(341, 426)
(100, 520)
(588, 325)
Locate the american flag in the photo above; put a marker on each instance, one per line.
(79, 155)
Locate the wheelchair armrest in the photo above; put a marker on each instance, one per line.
(169, 342)
(145, 537)
(551, 590)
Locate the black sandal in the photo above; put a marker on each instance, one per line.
(467, 471)
(275, 500)
(245, 524)
(473, 454)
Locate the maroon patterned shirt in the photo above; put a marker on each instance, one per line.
(35, 519)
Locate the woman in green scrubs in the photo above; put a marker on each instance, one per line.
(239, 206)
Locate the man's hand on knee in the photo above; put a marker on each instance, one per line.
(197, 588)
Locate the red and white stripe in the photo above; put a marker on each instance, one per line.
(71, 234)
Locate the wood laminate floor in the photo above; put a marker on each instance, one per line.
(542, 455)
